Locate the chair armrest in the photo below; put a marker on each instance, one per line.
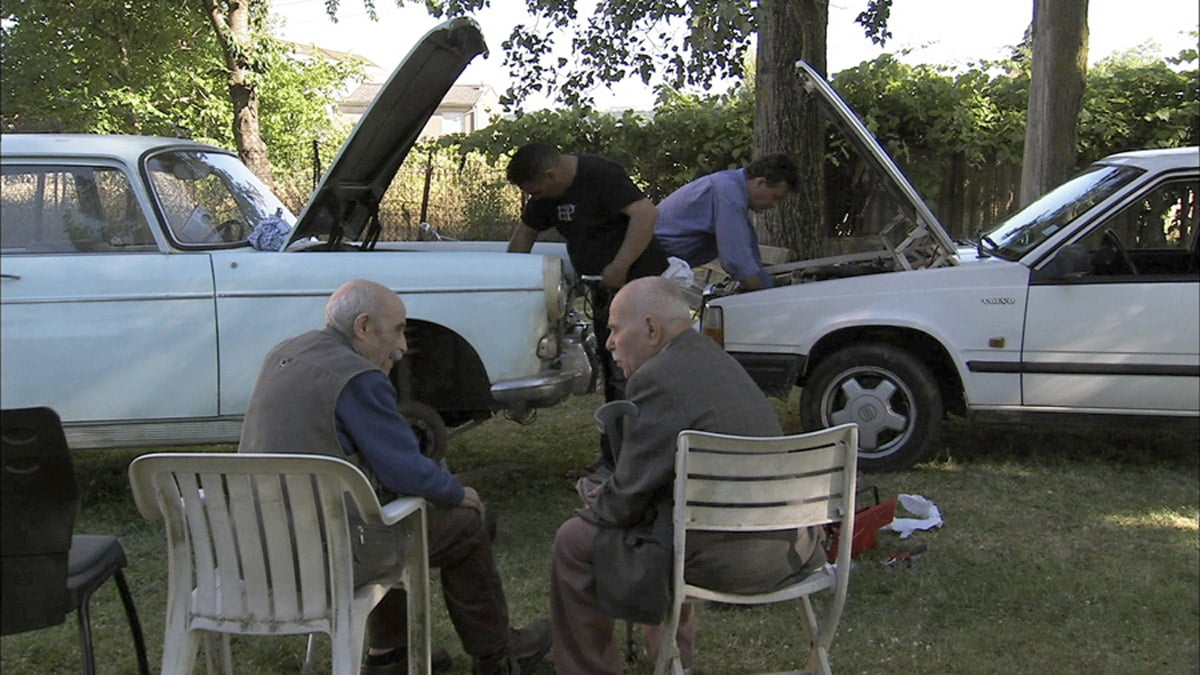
(400, 508)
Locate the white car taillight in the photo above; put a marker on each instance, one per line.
(712, 324)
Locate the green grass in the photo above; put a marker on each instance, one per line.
(1062, 552)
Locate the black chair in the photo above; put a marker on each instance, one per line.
(46, 570)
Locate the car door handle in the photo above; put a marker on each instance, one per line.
(10, 276)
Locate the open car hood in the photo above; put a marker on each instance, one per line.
(348, 196)
(910, 234)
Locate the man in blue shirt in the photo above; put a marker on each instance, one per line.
(709, 218)
(327, 392)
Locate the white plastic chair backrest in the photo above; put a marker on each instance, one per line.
(742, 483)
(268, 533)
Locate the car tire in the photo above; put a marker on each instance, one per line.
(430, 429)
(891, 395)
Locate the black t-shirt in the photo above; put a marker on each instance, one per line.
(589, 217)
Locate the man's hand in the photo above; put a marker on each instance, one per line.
(522, 239)
(614, 275)
(642, 216)
(471, 500)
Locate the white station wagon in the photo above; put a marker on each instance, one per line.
(133, 304)
(1082, 307)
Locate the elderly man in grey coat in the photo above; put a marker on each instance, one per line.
(679, 380)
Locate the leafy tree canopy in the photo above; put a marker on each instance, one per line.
(684, 45)
(922, 114)
(153, 67)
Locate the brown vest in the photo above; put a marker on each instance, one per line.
(293, 406)
(293, 410)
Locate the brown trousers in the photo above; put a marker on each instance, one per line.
(583, 635)
(460, 545)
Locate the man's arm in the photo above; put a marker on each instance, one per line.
(642, 216)
(369, 424)
(522, 239)
(737, 244)
(646, 463)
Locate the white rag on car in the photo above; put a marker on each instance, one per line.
(680, 272)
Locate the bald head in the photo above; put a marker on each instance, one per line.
(355, 297)
(659, 297)
(372, 317)
(645, 316)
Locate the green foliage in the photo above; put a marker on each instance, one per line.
(150, 68)
(296, 102)
(959, 135)
(687, 136)
(155, 68)
(1134, 100)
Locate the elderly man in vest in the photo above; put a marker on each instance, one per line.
(327, 392)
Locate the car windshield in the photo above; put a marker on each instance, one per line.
(1034, 224)
(210, 197)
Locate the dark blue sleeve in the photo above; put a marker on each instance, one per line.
(369, 424)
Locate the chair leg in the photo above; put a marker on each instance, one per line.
(416, 583)
(669, 659)
(309, 653)
(216, 651)
(818, 654)
(630, 646)
(135, 625)
(179, 651)
(85, 637)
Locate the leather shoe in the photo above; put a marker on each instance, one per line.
(397, 663)
(530, 644)
(526, 647)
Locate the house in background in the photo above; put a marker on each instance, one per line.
(466, 108)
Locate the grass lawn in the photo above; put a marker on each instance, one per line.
(1063, 551)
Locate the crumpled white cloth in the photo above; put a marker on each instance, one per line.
(928, 516)
(680, 272)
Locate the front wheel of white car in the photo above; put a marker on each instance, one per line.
(891, 395)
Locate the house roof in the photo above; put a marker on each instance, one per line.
(463, 96)
(332, 54)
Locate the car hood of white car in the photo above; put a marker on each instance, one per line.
(924, 232)
(347, 198)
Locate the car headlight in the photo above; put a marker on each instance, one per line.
(556, 288)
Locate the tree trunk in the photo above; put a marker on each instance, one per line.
(231, 21)
(790, 30)
(1060, 36)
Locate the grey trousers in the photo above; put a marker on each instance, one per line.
(583, 635)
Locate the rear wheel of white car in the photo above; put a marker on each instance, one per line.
(891, 395)
(429, 427)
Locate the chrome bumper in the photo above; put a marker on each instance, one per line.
(575, 374)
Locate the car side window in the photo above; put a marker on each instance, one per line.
(200, 199)
(70, 209)
(1154, 236)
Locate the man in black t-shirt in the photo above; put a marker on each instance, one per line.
(607, 221)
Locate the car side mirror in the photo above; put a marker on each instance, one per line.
(1072, 261)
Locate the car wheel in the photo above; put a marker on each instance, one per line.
(891, 395)
(429, 427)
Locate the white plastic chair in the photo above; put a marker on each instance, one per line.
(260, 544)
(745, 484)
